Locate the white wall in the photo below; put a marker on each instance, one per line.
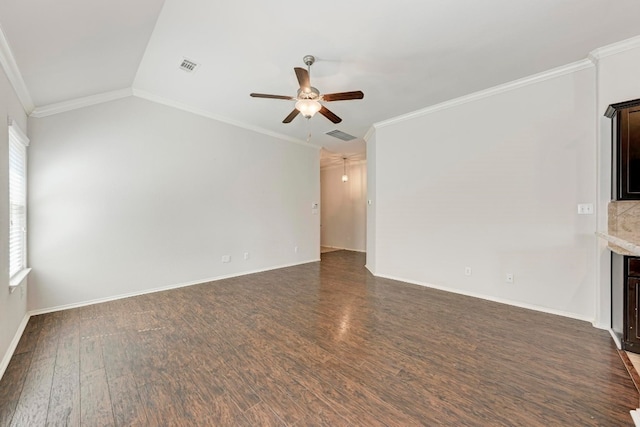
(371, 207)
(618, 81)
(13, 306)
(493, 184)
(131, 196)
(343, 207)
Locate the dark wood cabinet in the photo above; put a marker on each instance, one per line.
(618, 292)
(631, 337)
(626, 149)
(625, 181)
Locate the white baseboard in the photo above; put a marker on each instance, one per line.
(616, 339)
(494, 299)
(343, 249)
(635, 416)
(13, 345)
(160, 289)
(600, 325)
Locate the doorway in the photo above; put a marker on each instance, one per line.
(343, 202)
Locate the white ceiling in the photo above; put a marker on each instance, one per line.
(404, 55)
(76, 48)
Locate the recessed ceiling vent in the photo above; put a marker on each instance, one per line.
(340, 135)
(188, 65)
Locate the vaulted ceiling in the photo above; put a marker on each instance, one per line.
(404, 55)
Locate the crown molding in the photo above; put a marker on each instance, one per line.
(10, 67)
(74, 104)
(338, 164)
(536, 78)
(369, 134)
(204, 113)
(614, 48)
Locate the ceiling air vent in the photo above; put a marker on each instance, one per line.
(340, 135)
(188, 65)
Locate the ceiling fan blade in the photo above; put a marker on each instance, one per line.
(343, 96)
(291, 116)
(329, 115)
(303, 77)
(264, 95)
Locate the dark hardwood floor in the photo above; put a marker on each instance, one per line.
(322, 344)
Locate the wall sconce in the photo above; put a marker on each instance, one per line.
(345, 177)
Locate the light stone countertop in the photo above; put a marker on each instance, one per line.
(620, 245)
(623, 227)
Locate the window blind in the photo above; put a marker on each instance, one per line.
(17, 200)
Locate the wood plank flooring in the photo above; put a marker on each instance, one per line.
(322, 344)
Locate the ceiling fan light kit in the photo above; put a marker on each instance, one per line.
(308, 107)
(308, 98)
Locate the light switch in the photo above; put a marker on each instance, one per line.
(585, 209)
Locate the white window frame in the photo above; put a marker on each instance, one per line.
(18, 143)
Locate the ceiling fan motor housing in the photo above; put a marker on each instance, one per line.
(308, 93)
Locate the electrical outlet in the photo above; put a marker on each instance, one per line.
(295, 249)
(246, 256)
(508, 277)
(467, 271)
(226, 258)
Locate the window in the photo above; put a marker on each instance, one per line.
(18, 143)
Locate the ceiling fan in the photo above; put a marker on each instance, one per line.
(308, 97)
